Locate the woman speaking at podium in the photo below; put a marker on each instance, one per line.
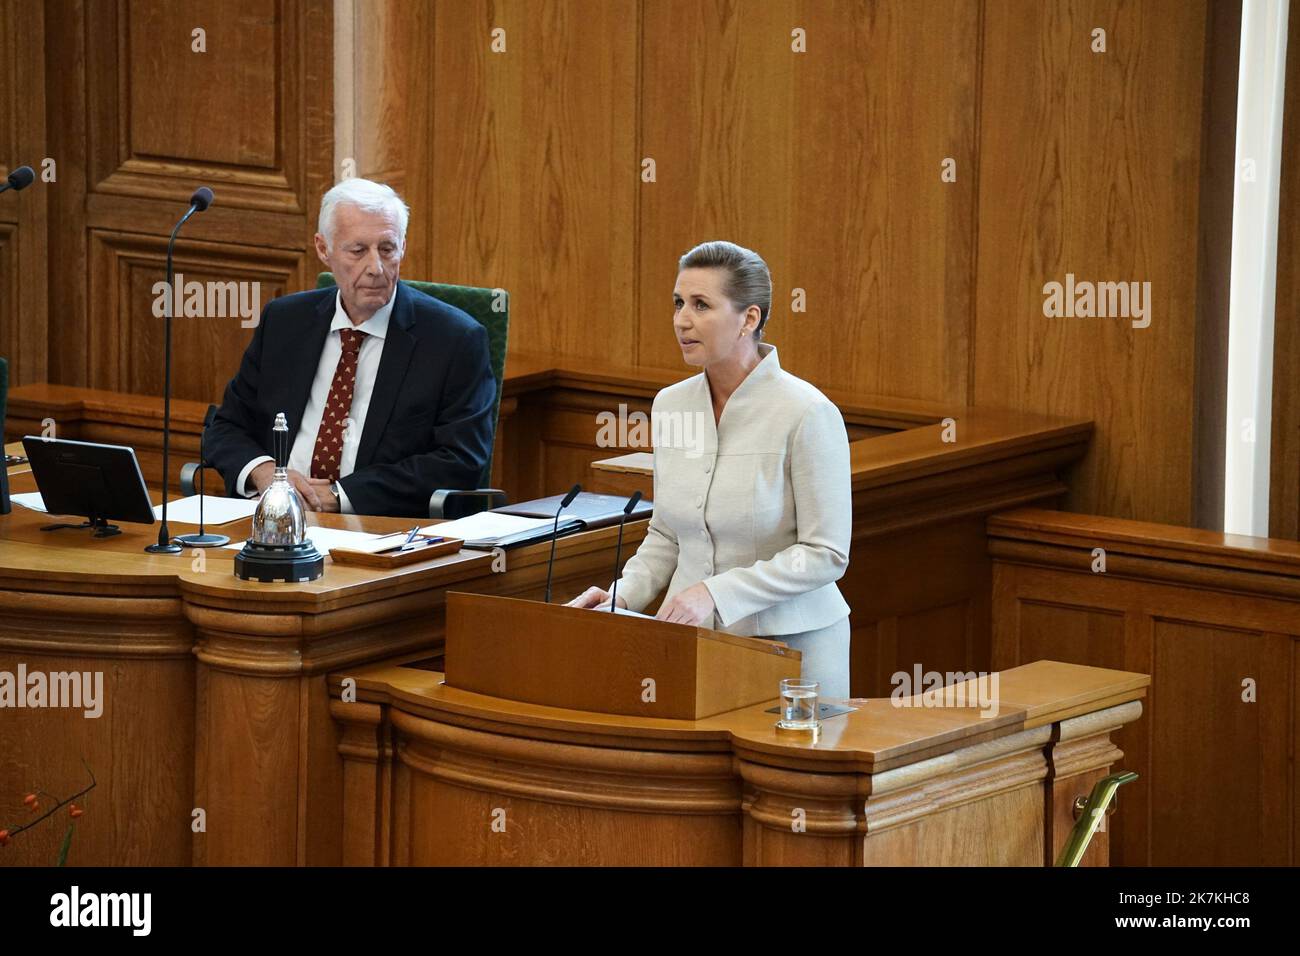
(752, 499)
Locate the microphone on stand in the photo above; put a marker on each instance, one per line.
(550, 565)
(20, 178)
(618, 551)
(202, 539)
(200, 201)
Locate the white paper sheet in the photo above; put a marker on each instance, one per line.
(325, 538)
(215, 510)
(486, 526)
(29, 499)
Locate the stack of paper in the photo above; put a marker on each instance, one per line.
(491, 529)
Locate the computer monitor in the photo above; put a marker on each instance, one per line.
(102, 482)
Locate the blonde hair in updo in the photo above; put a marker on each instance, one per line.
(748, 280)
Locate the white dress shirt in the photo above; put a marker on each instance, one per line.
(304, 444)
(757, 507)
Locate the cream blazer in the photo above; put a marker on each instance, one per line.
(758, 507)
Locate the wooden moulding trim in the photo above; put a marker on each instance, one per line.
(834, 816)
(264, 619)
(969, 467)
(416, 707)
(1083, 756)
(567, 774)
(64, 584)
(988, 436)
(1081, 709)
(1067, 531)
(831, 803)
(958, 483)
(1203, 576)
(944, 765)
(1082, 744)
(1099, 721)
(293, 657)
(361, 727)
(961, 785)
(69, 404)
(870, 520)
(92, 627)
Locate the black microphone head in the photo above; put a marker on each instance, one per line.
(22, 177)
(631, 502)
(210, 416)
(202, 198)
(573, 493)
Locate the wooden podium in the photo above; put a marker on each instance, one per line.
(608, 663)
(536, 748)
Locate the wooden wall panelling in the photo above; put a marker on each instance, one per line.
(389, 122)
(23, 216)
(919, 597)
(534, 166)
(828, 164)
(126, 339)
(523, 171)
(1214, 267)
(251, 117)
(1201, 613)
(1284, 472)
(1089, 165)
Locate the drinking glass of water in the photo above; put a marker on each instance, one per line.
(798, 704)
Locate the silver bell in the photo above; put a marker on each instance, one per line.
(278, 548)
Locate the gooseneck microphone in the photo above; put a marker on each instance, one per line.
(20, 178)
(550, 565)
(618, 551)
(200, 201)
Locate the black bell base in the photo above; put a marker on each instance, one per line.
(268, 563)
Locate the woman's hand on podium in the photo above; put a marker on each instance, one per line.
(595, 598)
(694, 606)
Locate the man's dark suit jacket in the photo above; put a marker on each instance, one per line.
(429, 424)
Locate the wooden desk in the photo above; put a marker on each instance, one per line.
(919, 575)
(439, 776)
(214, 689)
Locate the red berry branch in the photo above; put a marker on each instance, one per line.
(33, 803)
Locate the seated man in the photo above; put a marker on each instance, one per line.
(388, 392)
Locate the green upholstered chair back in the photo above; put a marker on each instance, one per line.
(490, 308)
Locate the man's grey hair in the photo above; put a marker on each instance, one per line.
(365, 194)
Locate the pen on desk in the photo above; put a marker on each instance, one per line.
(421, 544)
(411, 537)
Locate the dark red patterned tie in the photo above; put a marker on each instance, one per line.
(328, 453)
